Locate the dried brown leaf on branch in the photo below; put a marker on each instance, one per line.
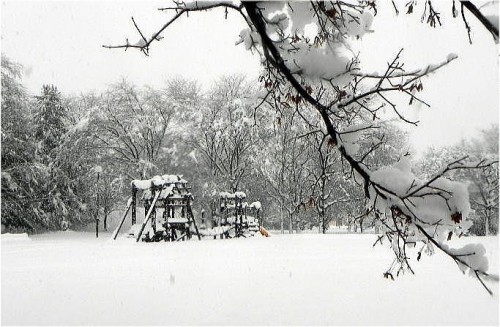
(331, 142)
(456, 217)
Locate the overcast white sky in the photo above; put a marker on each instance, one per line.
(59, 42)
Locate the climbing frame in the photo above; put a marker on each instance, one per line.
(167, 202)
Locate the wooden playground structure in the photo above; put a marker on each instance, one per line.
(234, 216)
(167, 204)
(168, 213)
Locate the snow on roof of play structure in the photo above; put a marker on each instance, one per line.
(157, 181)
(177, 220)
(240, 195)
(227, 195)
(173, 179)
(141, 184)
(255, 205)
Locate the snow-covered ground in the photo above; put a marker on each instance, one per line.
(308, 279)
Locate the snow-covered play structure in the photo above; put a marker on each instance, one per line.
(168, 213)
(234, 217)
(167, 204)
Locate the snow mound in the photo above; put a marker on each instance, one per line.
(15, 237)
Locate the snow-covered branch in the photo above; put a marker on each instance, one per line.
(181, 8)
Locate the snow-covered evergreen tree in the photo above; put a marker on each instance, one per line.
(18, 150)
(50, 118)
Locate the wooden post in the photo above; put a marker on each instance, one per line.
(165, 208)
(153, 219)
(191, 216)
(134, 204)
(165, 218)
(147, 216)
(157, 190)
(115, 233)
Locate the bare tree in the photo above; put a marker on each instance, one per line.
(226, 134)
(325, 178)
(285, 163)
(130, 127)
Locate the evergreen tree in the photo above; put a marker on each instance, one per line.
(15, 116)
(50, 117)
(19, 172)
(55, 192)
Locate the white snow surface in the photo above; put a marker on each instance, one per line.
(236, 195)
(157, 181)
(23, 237)
(217, 230)
(141, 184)
(72, 278)
(257, 205)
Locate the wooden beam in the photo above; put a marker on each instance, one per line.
(191, 216)
(117, 230)
(134, 204)
(147, 216)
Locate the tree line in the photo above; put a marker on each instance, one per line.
(67, 161)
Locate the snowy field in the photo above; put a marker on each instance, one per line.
(71, 278)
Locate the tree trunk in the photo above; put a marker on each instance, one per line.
(290, 223)
(282, 220)
(322, 204)
(322, 221)
(487, 224)
(361, 225)
(105, 221)
(97, 208)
